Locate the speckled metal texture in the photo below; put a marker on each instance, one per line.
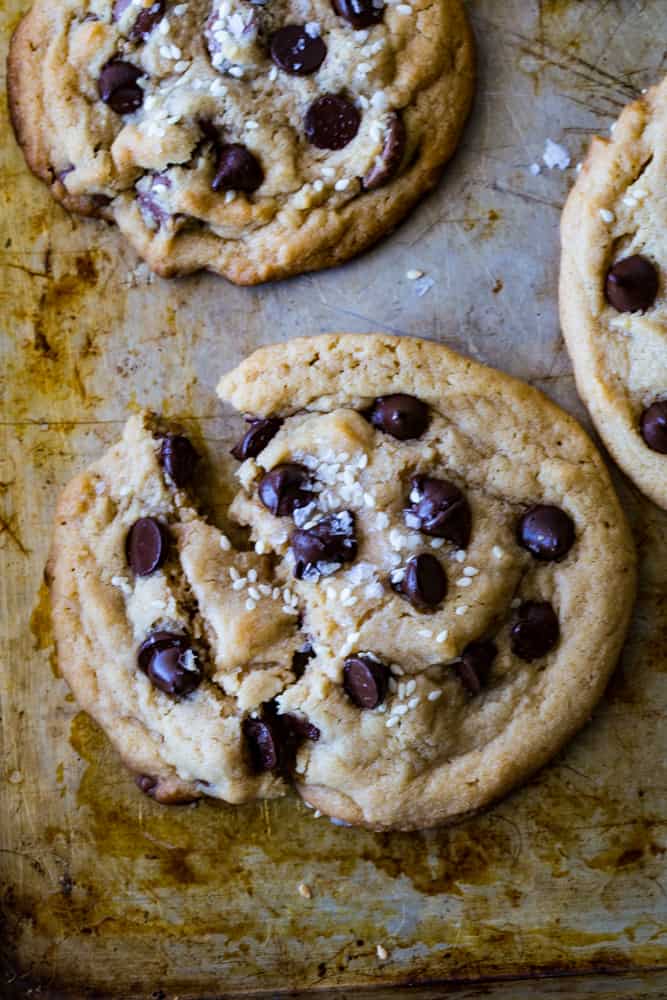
(103, 891)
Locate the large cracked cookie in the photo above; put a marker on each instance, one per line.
(255, 139)
(429, 617)
(612, 290)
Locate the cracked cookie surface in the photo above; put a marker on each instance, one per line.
(423, 613)
(254, 139)
(613, 290)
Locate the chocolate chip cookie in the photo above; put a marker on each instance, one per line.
(421, 615)
(254, 139)
(612, 290)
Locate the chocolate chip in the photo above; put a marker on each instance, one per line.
(178, 459)
(424, 582)
(547, 532)
(391, 156)
(536, 630)
(262, 744)
(145, 21)
(285, 488)
(360, 13)
(331, 122)
(299, 728)
(148, 199)
(146, 546)
(118, 86)
(209, 130)
(439, 508)
(295, 51)
(653, 426)
(474, 665)
(301, 658)
(632, 284)
(256, 437)
(168, 660)
(320, 550)
(404, 417)
(237, 169)
(146, 784)
(365, 680)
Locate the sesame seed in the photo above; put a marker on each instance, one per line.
(239, 584)
(497, 552)
(318, 184)
(460, 555)
(345, 593)
(180, 9)
(225, 543)
(260, 548)
(250, 605)
(305, 890)
(606, 215)
(464, 581)
(434, 695)
(461, 610)
(410, 686)
(331, 593)
(425, 632)
(400, 709)
(412, 704)
(163, 26)
(229, 196)
(289, 610)
(437, 543)
(401, 690)
(181, 66)
(236, 71)
(442, 636)
(381, 953)
(413, 275)
(273, 73)
(403, 8)
(391, 722)
(251, 125)
(470, 571)
(275, 593)
(328, 171)
(312, 28)
(369, 500)
(382, 521)
(252, 575)
(341, 184)
(254, 593)
(265, 589)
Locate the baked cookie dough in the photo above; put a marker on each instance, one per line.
(255, 139)
(613, 290)
(422, 616)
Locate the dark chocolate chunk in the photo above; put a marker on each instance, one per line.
(360, 13)
(547, 532)
(536, 630)
(390, 158)
(441, 510)
(331, 122)
(474, 665)
(145, 20)
(178, 459)
(632, 284)
(262, 743)
(169, 662)
(237, 169)
(285, 488)
(424, 583)
(404, 417)
(331, 541)
(295, 51)
(146, 546)
(146, 784)
(301, 658)
(256, 437)
(653, 426)
(365, 680)
(299, 727)
(118, 86)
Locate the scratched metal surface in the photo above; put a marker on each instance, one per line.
(99, 887)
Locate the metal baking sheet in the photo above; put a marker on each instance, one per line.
(103, 891)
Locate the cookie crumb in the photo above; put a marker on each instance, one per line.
(555, 155)
(382, 953)
(305, 890)
(606, 215)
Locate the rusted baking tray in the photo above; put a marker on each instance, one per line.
(562, 889)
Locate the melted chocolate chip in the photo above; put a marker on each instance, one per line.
(118, 86)
(145, 21)
(301, 658)
(653, 426)
(331, 122)
(256, 438)
(237, 169)
(146, 546)
(295, 51)
(474, 665)
(391, 157)
(547, 532)
(169, 663)
(178, 459)
(365, 680)
(632, 284)
(146, 784)
(404, 417)
(536, 631)
(320, 550)
(439, 508)
(262, 744)
(360, 13)
(424, 583)
(299, 727)
(285, 488)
